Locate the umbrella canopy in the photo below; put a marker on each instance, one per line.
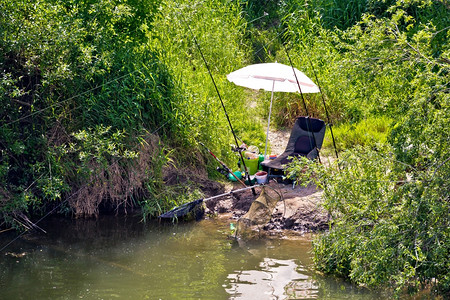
(273, 77)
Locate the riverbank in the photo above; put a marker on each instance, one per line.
(298, 211)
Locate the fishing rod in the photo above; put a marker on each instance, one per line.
(247, 174)
(325, 106)
(186, 208)
(223, 165)
(303, 99)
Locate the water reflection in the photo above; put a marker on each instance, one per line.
(275, 279)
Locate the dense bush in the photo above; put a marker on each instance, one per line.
(85, 87)
(389, 221)
(68, 68)
(374, 66)
(367, 132)
(218, 30)
(389, 203)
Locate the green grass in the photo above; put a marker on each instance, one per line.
(367, 132)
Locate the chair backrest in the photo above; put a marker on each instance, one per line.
(310, 124)
(306, 134)
(304, 144)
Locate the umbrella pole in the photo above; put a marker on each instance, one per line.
(268, 122)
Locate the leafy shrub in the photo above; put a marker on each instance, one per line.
(389, 203)
(389, 222)
(69, 68)
(218, 29)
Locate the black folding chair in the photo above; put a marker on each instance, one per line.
(305, 140)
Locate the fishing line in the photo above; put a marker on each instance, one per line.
(269, 42)
(104, 84)
(69, 198)
(445, 161)
(308, 121)
(85, 92)
(265, 14)
(324, 105)
(221, 101)
(73, 97)
(68, 99)
(100, 86)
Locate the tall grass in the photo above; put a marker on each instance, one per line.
(218, 29)
(367, 132)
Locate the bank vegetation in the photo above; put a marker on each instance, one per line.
(103, 104)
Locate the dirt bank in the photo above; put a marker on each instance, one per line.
(298, 210)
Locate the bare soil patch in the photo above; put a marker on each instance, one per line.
(298, 211)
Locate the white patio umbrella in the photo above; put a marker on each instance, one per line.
(273, 77)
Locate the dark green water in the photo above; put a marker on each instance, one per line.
(121, 258)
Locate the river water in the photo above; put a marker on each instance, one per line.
(122, 258)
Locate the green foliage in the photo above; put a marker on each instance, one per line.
(218, 29)
(100, 142)
(67, 67)
(389, 222)
(262, 17)
(341, 14)
(374, 67)
(83, 82)
(389, 205)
